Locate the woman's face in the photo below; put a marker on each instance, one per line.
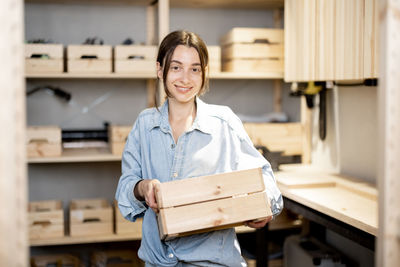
(184, 77)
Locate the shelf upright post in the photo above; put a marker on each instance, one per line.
(163, 30)
(13, 171)
(151, 40)
(278, 15)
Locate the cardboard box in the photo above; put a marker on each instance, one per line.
(46, 219)
(44, 58)
(43, 141)
(123, 226)
(89, 59)
(253, 50)
(135, 58)
(211, 202)
(117, 136)
(90, 217)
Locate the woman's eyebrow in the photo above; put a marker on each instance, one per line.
(178, 62)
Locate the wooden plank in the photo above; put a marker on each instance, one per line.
(306, 122)
(254, 51)
(349, 34)
(99, 51)
(217, 214)
(371, 39)
(325, 40)
(388, 244)
(253, 65)
(205, 188)
(290, 31)
(250, 4)
(53, 51)
(252, 35)
(13, 181)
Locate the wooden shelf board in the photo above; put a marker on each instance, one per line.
(249, 4)
(94, 2)
(79, 155)
(67, 240)
(213, 75)
(66, 75)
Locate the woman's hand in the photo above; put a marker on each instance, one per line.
(146, 190)
(258, 224)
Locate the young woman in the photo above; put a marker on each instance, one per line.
(186, 138)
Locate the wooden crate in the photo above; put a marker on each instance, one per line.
(123, 226)
(117, 136)
(89, 58)
(90, 217)
(43, 141)
(214, 54)
(46, 219)
(135, 58)
(59, 260)
(211, 202)
(285, 137)
(252, 50)
(116, 258)
(44, 58)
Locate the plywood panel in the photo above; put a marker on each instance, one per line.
(371, 39)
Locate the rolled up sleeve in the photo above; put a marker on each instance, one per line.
(130, 207)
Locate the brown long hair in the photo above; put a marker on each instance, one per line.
(167, 48)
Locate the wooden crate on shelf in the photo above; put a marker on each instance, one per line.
(284, 137)
(90, 217)
(44, 58)
(211, 202)
(46, 219)
(43, 141)
(214, 53)
(89, 59)
(252, 50)
(135, 58)
(59, 260)
(117, 136)
(123, 226)
(116, 258)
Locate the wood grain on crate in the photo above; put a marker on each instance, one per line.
(46, 219)
(347, 199)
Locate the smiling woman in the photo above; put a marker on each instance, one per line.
(186, 138)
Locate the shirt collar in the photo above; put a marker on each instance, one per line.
(200, 122)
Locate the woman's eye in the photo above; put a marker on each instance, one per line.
(196, 70)
(175, 68)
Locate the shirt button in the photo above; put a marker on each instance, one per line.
(170, 255)
(172, 146)
(175, 174)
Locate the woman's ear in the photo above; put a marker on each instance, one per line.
(159, 71)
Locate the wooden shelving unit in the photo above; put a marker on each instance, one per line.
(79, 155)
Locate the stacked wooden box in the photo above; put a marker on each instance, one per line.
(46, 219)
(89, 59)
(123, 226)
(90, 217)
(43, 141)
(252, 50)
(117, 136)
(44, 58)
(116, 258)
(212, 202)
(135, 58)
(214, 54)
(61, 260)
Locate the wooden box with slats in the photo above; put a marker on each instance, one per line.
(214, 54)
(252, 50)
(44, 58)
(135, 58)
(89, 59)
(123, 226)
(90, 217)
(208, 203)
(46, 219)
(117, 136)
(43, 141)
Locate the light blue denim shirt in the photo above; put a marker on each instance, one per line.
(216, 143)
